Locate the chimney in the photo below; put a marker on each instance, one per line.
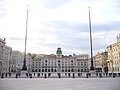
(4, 39)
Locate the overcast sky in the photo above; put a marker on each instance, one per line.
(59, 23)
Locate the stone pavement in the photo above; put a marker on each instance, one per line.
(60, 84)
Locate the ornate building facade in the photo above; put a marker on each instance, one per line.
(2, 46)
(114, 57)
(17, 61)
(60, 64)
(100, 62)
(7, 59)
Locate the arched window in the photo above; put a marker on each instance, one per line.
(72, 70)
(55, 70)
(32, 70)
(42, 70)
(45, 70)
(51, 70)
(48, 70)
(58, 61)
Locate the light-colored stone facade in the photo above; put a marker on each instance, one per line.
(82, 62)
(2, 46)
(100, 62)
(114, 56)
(17, 61)
(60, 63)
(7, 59)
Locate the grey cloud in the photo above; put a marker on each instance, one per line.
(67, 26)
(16, 38)
(84, 27)
(110, 26)
(74, 36)
(48, 44)
(77, 35)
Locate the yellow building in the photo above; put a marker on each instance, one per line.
(100, 62)
(114, 57)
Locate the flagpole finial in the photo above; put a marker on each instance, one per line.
(89, 7)
(27, 7)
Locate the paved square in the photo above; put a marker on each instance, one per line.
(60, 84)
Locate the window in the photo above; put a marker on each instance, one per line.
(51, 70)
(58, 61)
(72, 70)
(55, 70)
(42, 70)
(85, 63)
(48, 70)
(32, 70)
(81, 64)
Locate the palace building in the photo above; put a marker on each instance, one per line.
(60, 64)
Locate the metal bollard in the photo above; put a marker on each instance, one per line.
(16, 76)
(100, 75)
(2, 75)
(30, 75)
(73, 75)
(87, 75)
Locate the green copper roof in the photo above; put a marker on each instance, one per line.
(59, 51)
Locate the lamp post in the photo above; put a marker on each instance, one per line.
(91, 49)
